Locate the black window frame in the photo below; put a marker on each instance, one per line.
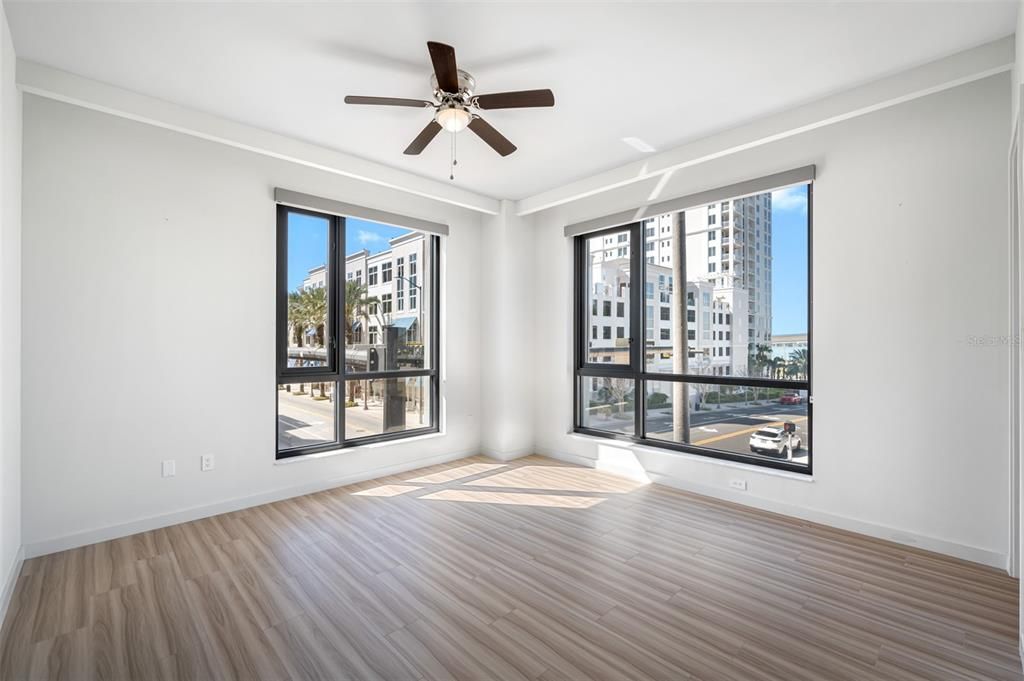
(636, 369)
(335, 372)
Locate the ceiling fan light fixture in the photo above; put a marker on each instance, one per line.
(453, 119)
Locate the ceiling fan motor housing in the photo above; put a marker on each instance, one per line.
(467, 84)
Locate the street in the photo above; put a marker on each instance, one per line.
(729, 427)
(304, 421)
(726, 428)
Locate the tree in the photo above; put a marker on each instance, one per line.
(760, 361)
(799, 361)
(358, 307)
(307, 310)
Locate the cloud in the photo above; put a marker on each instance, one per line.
(790, 198)
(365, 237)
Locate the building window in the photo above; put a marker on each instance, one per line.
(755, 400)
(348, 372)
(620, 309)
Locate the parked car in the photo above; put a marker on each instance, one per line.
(791, 398)
(775, 441)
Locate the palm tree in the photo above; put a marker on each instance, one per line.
(799, 359)
(307, 310)
(296, 317)
(358, 306)
(313, 309)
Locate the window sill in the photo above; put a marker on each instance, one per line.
(696, 458)
(356, 448)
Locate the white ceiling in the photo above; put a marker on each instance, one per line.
(666, 73)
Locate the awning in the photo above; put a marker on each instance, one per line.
(404, 322)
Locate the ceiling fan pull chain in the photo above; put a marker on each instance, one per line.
(454, 162)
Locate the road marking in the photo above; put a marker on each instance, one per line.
(745, 431)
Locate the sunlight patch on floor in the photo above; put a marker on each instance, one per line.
(559, 478)
(456, 473)
(513, 498)
(386, 491)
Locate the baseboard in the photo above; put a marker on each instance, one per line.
(10, 580)
(71, 541)
(963, 551)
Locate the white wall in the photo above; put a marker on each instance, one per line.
(10, 318)
(507, 330)
(149, 260)
(910, 425)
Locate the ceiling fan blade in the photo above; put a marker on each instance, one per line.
(423, 139)
(388, 101)
(516, 100)
(488, 134)
(443, 57)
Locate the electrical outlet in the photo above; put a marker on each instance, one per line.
(167, 469)
(206, 463)
(736, 483)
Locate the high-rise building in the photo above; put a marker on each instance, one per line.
(716, 338)
(728, 246)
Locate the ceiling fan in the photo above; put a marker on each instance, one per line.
(455, 103)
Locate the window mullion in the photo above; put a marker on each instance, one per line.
(342, 326)
(638, 349)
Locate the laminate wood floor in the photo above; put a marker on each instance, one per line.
(532, 570)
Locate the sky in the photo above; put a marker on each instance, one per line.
(307, 242)
(789, 260)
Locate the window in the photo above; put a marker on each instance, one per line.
(351, 366)
(605, 273)
(710, 378)
(620, 309)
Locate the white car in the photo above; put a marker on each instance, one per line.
(775, 441)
